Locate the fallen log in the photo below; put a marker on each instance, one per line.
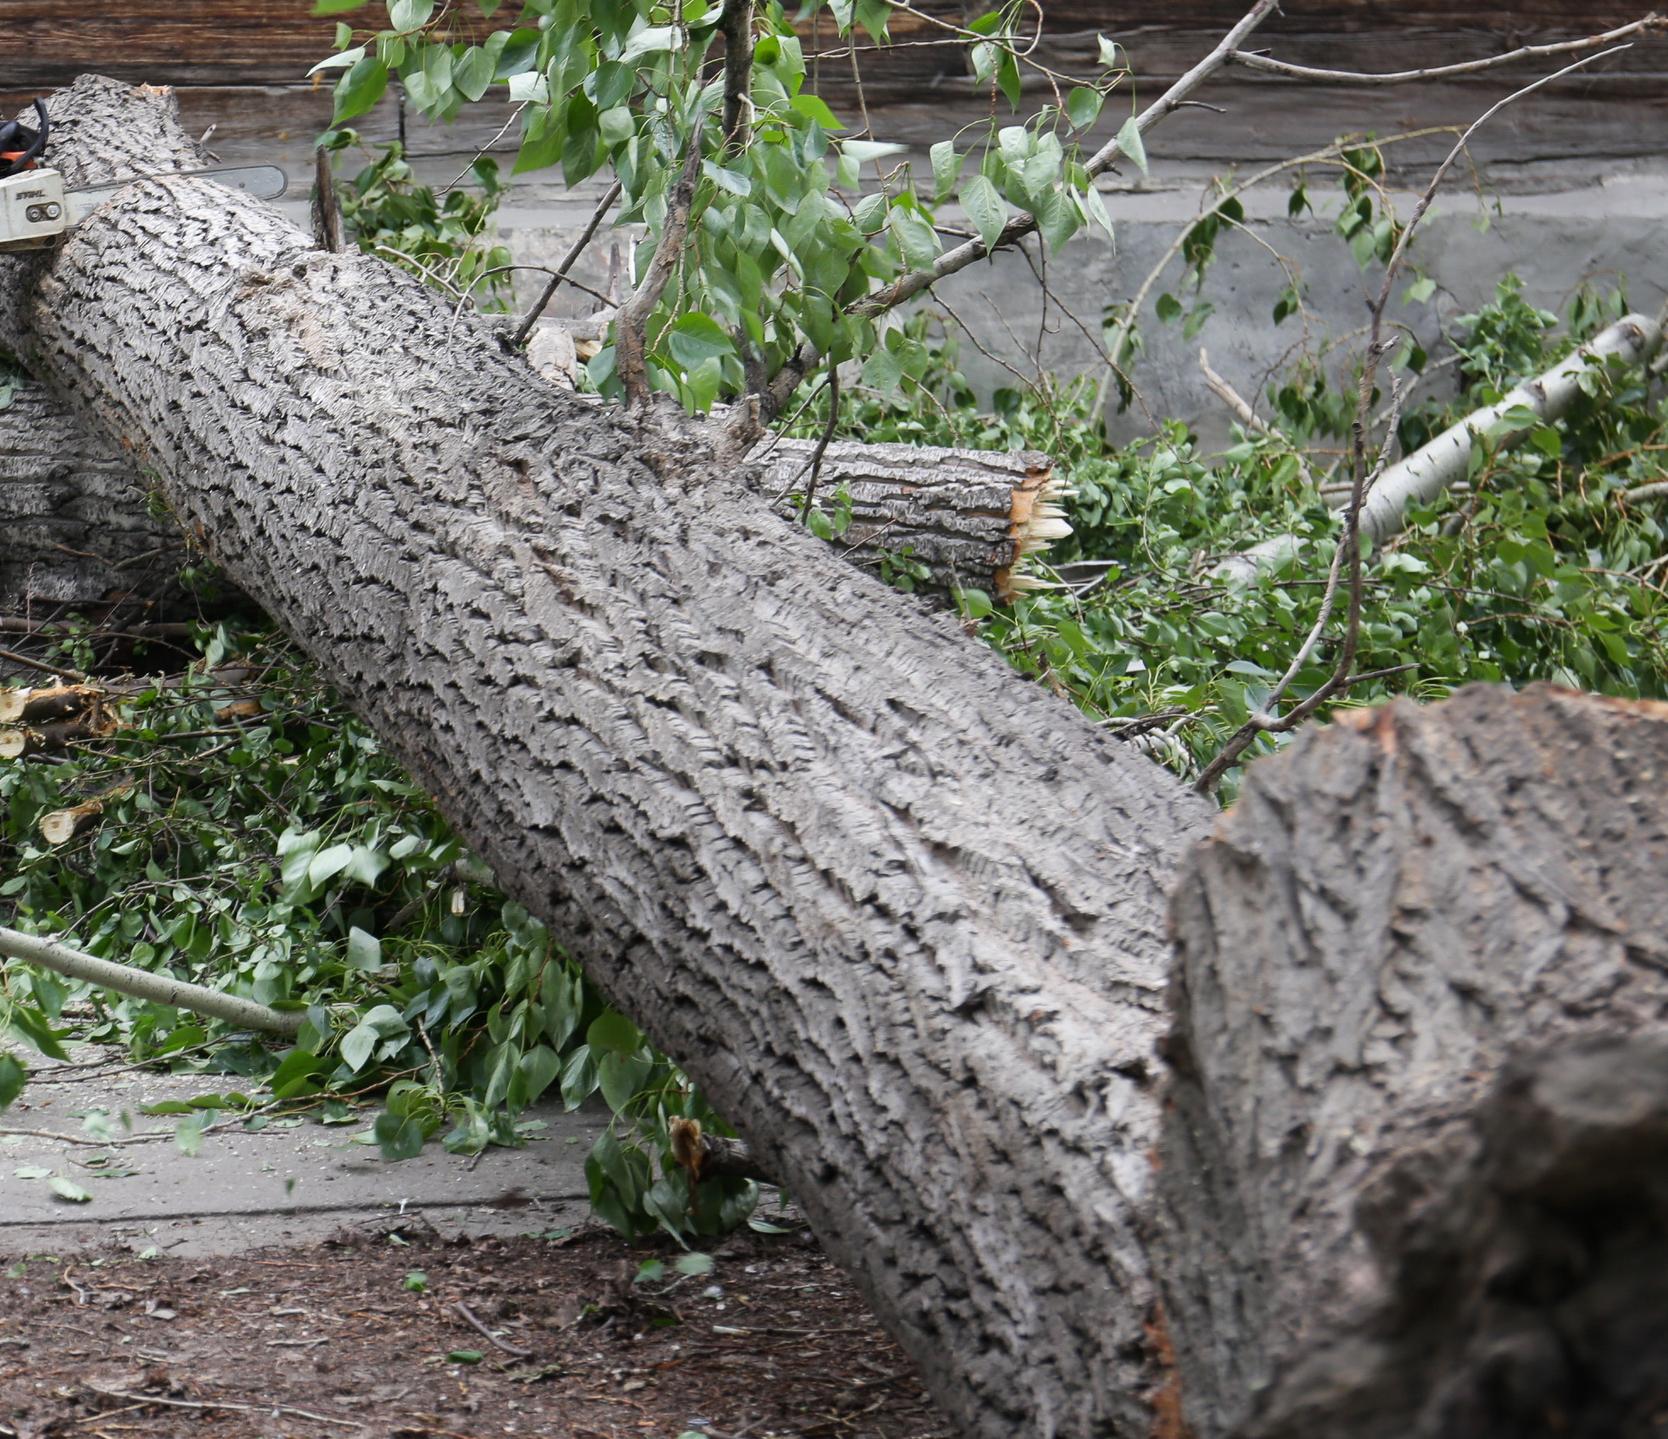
(902, 917)
(84, 528)
(73, 509)
(788, 820)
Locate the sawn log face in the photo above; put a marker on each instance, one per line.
(1415, 1181)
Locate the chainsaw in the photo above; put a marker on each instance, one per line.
(36, 208)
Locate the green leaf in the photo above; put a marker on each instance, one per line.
(946, 168)
(13, 1076)
(538, 1069)
(343, 61)
(337, 7)
(408, 15)
(733, 182)
(815, 110)
(360, 88)
(1420, 290)
(328, 863)
(1108, 50)
(612, 1031)
(621, 1078)
(473, 73)
(985, 208)
(357, 1046)
(68, 1189)
(364, 951)
(695, 338)
(399, 1137)
(416, 1282)
(652, 40)
(1083, 106)
(1007, 79)
(1168, 307)
(1131, 143)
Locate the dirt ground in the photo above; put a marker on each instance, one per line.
(369, 1336)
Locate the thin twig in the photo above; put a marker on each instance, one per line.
(1255, 61)
(1249, 417)
(560, 273)
(15, 658)
(823, 440)
(631, 324)
(512, 1349)
(143, 1400)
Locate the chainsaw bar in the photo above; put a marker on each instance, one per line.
(263, 182)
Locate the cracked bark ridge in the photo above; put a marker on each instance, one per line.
(1415, 1178)
(901, 916)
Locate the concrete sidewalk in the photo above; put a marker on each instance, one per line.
(290, 1182)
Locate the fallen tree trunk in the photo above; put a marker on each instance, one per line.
(901, 916)
(788, 821)
(78, 531)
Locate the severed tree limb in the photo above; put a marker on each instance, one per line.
(972, 517)
(1420, 477)
(143, 984)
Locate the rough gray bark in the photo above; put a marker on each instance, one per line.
(790, 822)
(1414, 1185)
(73, 513)
(82, 528)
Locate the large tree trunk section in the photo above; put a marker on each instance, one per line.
(901, 916)
(1415, 1186)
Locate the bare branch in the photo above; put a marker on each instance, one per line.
(1254, 61)
(631, 324)
(604, 205)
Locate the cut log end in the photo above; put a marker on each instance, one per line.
(1036, 519)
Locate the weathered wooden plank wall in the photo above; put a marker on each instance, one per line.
(240, 65)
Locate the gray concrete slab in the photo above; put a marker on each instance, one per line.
(287, 1183)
